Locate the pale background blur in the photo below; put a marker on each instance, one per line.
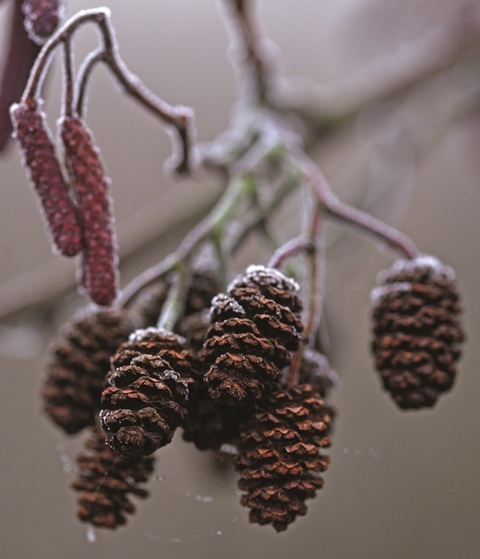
(400, 484)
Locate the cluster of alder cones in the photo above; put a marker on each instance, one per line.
(235, 371)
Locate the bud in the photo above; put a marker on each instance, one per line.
(41, 18)
(47, 179)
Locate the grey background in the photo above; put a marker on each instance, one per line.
(400, 484)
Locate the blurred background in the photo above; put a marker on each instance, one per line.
(400, 484)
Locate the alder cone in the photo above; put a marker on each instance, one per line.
(210, 424)
(106, 481)
(417, 331)
(144, 401)
(149, 302)
(280, 456)
(80, 359)
(255, 327)
(204, 285)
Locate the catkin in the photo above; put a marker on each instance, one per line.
(99, 263)
(46, 175)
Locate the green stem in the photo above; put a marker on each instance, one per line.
(261, 216)
(174, 306)
(213, 224)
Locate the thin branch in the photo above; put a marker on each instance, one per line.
(68, 79)
(364, 223)
(212, 224)
(178, 118)
(290, 249)
(261, 215)
(37, 75)
(84, 75)
(175, 302)
(251, 50)
(56, 277)
(389, 78)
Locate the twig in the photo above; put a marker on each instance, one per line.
(250, 47)
(178, 118)
(390, 77)
(56, 277)
(350, 216)
(175, 302)
(212, 224)
(290, 249)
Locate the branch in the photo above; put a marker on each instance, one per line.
(251, 50)
(178, 118)
(388, 78)
(45, 284)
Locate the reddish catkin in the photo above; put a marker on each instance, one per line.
(47, 179)
(41, 18)
(99, 264)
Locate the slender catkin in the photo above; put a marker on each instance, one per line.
(53, 192)
(99, 263)
(41, 18)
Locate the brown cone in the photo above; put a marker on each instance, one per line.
(144, 401)
(210, 424)
(80, 359)
(255, 327)
(279, 455)
(106, 480)
(417, 331)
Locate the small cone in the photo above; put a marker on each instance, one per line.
(144, 401)
(254, 328)
(80, 359)
(106, 480)
(280, 458)
(417, 331)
